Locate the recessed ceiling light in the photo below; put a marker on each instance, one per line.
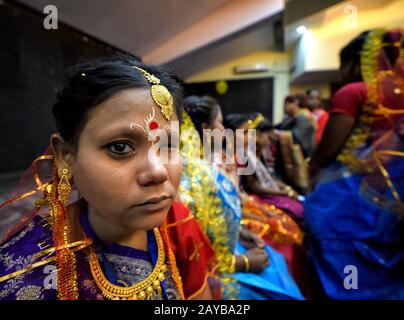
(301, 29)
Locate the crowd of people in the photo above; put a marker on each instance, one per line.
(320, 216)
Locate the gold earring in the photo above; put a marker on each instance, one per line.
(64, 187)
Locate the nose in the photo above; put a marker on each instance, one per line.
(153, 172)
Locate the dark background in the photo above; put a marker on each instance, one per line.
(242, 95)
(33, 60)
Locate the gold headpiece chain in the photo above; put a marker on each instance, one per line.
(160, 94)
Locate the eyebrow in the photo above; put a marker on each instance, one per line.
(130, 132)
(113, 133)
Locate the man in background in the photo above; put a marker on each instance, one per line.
(314, 102)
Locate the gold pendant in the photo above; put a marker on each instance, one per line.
(142, 290)
(64, 187)
(163, 98)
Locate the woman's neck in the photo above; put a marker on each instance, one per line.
(112, 232)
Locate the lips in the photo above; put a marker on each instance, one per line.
(156, 203)
(155, 200)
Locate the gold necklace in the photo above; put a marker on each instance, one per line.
(142, 290)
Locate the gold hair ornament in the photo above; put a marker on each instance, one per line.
(160, 94)
(254, 124)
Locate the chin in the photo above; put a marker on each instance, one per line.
(151, 220)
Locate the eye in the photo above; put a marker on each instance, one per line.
(119, 148)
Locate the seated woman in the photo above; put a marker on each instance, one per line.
(248, 268)
(271, 223)
(261, 183)
(355, 213)
(108, 225)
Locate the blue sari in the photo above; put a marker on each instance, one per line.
(355, 231)
(356, 244)
(274, 282)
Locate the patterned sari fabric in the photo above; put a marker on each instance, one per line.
(186, 249)
(274, 282)
(291, 206)
(276, 228)
(214, 200)
(128, 265)
(198, 190)
(355, 214)
(272, 223)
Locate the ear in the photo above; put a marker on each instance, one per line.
(63, 154)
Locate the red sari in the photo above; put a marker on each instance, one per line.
(191, 249)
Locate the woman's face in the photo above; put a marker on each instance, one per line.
(263, 140)
(242, 135)
(111, 168)
(218, 121)
(349, 72)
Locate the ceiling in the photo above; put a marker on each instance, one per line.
(189, 36)
(136, 26)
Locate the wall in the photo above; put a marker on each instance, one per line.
(324, 87)
(32, 60)
(278, 62)
(318, 49)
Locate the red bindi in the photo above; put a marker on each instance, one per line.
(154, 125)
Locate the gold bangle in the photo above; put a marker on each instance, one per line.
(247, 263)
(233, 263)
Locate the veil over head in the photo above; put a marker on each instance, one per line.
(376, 146)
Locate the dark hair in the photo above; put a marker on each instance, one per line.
(92, 82)
(352, 51)
(233, 121)
(201, 109)
(392, 52)
(300, 98)
(265, 126)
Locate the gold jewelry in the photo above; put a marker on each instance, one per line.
(64, 187)
(79, 245)
(233, 264)
(247, 263)
(160, 94)
(139, 291)
(254, 124)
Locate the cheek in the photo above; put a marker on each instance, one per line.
(101, 183)
(174, 173)
(218, 125)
